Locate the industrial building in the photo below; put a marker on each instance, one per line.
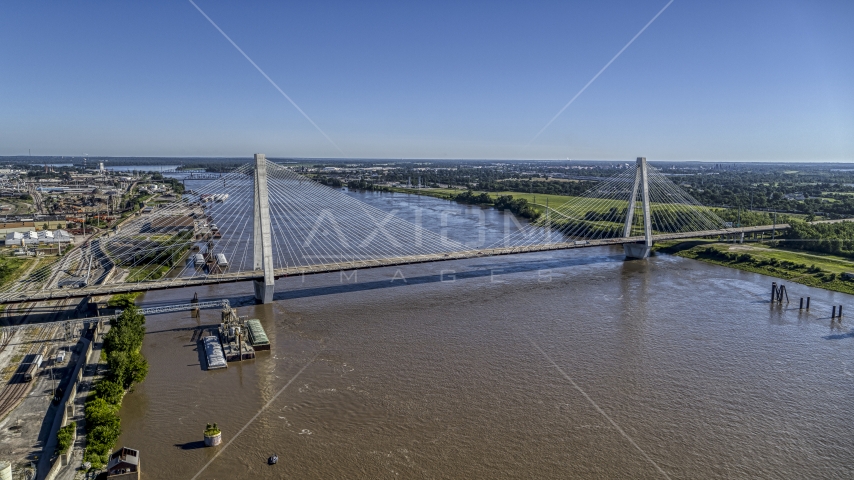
(6, 227)
(41, 237)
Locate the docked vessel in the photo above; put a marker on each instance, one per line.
(213, 352)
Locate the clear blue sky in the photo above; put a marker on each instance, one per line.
(722, 80)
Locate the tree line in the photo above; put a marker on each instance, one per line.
(518, 206)
(832, 238)
(127, 366)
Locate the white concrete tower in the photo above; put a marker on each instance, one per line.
(639, 250)
(262, 234)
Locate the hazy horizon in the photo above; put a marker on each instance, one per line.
(93, 158)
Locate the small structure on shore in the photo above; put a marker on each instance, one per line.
(124, 464)
(213, 435)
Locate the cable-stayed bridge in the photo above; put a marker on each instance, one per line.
(264, 221)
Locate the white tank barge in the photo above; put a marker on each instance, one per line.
(213, 351)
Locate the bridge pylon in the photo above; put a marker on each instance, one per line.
(262, 234)
(641, 249)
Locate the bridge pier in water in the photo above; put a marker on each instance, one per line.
(262, 234)
(639, 250)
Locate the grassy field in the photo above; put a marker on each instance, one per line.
(11, 268)
(538, 200)
(146, 273)
(445, 193)
(812, 269)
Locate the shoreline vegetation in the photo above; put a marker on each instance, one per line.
(540, 202)
(126, 367)
(777, 259)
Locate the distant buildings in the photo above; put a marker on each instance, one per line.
(40, 237)
(6, 227)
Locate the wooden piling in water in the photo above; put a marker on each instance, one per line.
(808, 303)
(773, 291)
(802, 304)
(834, 312)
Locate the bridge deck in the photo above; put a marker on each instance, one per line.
(112, 289)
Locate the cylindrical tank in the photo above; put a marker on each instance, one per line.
(5, 470)
(210, 441)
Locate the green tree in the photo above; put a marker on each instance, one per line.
(126, 332)
(138, 367)
(64, 437)
(122, 300)
(100, 412)
(127, 367)
(112, 392)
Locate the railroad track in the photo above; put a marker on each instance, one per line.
(15, 390)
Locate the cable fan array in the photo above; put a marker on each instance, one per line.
(208, 233)
(601, 213)
(311, 223)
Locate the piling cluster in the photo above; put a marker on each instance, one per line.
(778, 293)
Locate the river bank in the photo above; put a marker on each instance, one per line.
(807, 268)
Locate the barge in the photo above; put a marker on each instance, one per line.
(232, 334)
(234, 343)
(214, 354)
(257, 335)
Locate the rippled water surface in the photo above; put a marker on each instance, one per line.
(573, 364)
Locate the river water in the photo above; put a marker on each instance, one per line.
(573, 364)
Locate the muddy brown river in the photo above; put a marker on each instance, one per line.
(573, 364)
